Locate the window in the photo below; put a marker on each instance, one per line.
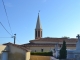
(41, 33)
(41, 50)
(38, 33)
(35, 50)
(60, 45)
(35, 33)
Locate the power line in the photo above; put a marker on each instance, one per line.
(7, 16)
(5, 28)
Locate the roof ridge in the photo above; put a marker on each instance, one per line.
(17, 46)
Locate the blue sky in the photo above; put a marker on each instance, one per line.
(58, 18)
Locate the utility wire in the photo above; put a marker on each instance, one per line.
(5, 28)
(7, 16)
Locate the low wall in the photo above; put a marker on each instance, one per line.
(34, 57)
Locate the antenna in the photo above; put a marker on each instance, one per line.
(14, 38)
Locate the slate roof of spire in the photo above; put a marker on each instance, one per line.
(38, 25)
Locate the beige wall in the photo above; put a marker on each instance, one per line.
(19, 56)
(2, 47)
(16, 56)
(42, 42)
(14, 49)
(38, 49)
(45, 49)
(27, 56)
(15, 53)
(18, 53)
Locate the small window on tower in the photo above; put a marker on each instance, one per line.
(41, 33)
(38, 33)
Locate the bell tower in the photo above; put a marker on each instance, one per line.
(38, 29)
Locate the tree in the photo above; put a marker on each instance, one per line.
(63, 51)
(65, 37)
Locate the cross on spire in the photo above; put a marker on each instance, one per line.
(38, 25)
(39, 12)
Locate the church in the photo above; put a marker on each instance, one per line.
(40, 44)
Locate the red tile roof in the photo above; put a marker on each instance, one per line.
(29, 45)
(55, 39)
(46, 45)
(18, 46)
(48, 39)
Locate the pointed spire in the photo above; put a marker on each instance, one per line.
(38, 25)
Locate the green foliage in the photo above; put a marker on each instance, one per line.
(65, 37)
(42, 53)
(63, 51)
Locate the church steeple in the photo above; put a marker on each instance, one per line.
(38, 25)
(38, 29)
